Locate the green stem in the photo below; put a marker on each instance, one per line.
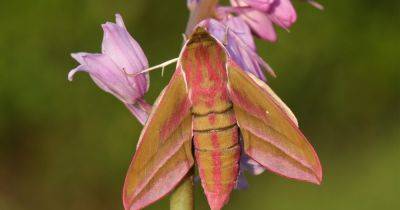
(182, 197)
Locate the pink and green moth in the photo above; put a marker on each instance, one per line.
(209, 114)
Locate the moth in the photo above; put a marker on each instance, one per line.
(209, 114)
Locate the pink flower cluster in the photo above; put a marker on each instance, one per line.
(236, 24)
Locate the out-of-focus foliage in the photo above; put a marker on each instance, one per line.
(68, 145)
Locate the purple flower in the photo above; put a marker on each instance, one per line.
(260, 15)
(121, 55)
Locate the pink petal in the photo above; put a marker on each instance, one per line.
(256, 17)
(260, 14)
(260, 24)
(282, 13)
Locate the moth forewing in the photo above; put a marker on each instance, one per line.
(164, 154)
(276, 98)
(269, 130)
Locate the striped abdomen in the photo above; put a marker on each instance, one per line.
(215, 131)
(217, 154)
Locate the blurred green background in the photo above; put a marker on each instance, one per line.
(68, 145)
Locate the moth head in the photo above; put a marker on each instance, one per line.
(203, 33)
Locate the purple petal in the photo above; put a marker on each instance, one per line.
(125, 52)
(79, 57)
(107, 75)
(72, 73)
(247, 58)
(82, 67)
(244, 56)
(240, 28)
(250, 165)
(119, 21)
(103, 69)
(215, 28)
(241, 183)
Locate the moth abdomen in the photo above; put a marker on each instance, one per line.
(217, 154)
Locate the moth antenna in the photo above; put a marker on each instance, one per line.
(162, 65)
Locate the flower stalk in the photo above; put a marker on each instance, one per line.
(182, 197)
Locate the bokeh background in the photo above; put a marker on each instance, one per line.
(67, 146)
